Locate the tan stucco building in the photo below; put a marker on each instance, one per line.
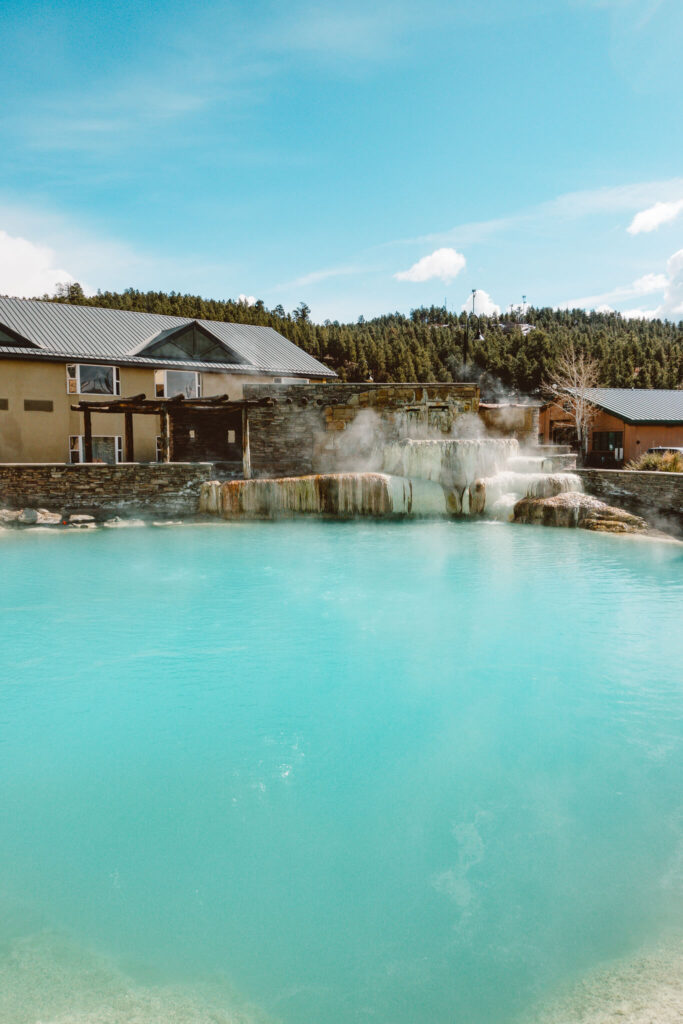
(53, 355)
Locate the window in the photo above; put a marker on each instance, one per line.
(290, 380)
(607, 440)
(104, 449)
(169, 383)
(83, 379)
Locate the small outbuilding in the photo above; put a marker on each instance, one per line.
(628, 422)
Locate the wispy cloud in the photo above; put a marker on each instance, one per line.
(40, 249)
(655, 216)
(571, 206)
(316, 276)
(444, 264)
(648, 284)
(669, 283)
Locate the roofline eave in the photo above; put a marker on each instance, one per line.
(244, 369)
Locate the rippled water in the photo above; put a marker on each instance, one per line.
(321, 772)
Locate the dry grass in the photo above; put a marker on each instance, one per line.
(666, 462)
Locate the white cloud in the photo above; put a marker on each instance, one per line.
(639, 314)
(28, 270)
(483, 304)
(673, 296)
(247, 300)
(655, 216)
(645, 285)
(444, 264)
(671, 283)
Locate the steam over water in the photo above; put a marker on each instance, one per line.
(407, 773)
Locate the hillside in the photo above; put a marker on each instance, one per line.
(430, 343)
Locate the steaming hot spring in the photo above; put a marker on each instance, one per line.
(302, 771)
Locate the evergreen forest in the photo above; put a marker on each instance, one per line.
(506, 356)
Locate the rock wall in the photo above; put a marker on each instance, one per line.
(510, 420)
(657, 497)
(128, 488)
(318, 428)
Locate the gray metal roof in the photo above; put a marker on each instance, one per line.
(89, 332)
(639, 405)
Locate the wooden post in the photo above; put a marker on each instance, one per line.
(163, 428)
(170, 447)
(246, 452)
(130, 447)
(87, 436)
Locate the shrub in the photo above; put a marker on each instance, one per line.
(665, 462)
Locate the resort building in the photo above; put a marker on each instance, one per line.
(627, 424)
(55, 356)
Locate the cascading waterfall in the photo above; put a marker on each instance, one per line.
(337, 494)
(418, 477)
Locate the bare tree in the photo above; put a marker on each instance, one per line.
(569, 384)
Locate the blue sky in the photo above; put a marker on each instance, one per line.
(359, 157)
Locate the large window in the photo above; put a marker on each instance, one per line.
(84, 379)
(104, 449)
(607, 440)
(169, 383)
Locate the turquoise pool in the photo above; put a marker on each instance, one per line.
(324, 773)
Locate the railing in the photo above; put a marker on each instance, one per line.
(603, 460)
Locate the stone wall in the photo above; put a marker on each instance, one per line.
(319, 428)
(657, 497)
(126, 489)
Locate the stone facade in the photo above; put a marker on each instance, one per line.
(510, 420)
(322, 428)
(128, 488)
(658, 497)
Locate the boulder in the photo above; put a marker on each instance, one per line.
(82, 522)
(28, 517)
(117, 523)
(573, 509)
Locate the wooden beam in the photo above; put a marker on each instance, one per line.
(87, 436)
(163, 428)
(246, 451)
(130, 447)
(168, 452)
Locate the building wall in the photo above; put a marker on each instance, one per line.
(29, 436)
(41, 436)
(641, 436)
(231, 385)
(322, 428)
(638, 437)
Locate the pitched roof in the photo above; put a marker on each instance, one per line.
(52, 330)
(639, 405)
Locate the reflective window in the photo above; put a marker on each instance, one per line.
(84, 379)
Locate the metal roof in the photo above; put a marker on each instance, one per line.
(63, 331)
(639, 405)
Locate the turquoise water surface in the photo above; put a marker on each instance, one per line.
(323, 773)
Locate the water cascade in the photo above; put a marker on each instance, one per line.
(418, 477)
(337, 494)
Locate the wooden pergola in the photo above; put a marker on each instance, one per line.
(165, 409)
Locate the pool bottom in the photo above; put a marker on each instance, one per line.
(48, 978)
